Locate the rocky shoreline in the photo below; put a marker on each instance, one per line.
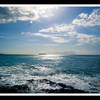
(26, 89)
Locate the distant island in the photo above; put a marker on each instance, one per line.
(42, 54)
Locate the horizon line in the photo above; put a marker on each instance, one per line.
(46, 54)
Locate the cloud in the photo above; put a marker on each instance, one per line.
(13, 14)
(83, 15)
(85, 19)
(63, 33)
(53, 38)
(80, 38)
(87, 39)
(62, 29)
(58, 28)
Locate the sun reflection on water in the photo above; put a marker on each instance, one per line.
(50, 57)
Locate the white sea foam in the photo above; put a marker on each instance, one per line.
(74, 80)
(18, 75)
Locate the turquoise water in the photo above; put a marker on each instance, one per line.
(80, 71)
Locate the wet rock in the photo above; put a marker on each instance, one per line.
(64, 91)
(14, 89)
(47, 82)
(31, 81)
(63, 88)
(21, 88)
(26, 89)
(7, 90)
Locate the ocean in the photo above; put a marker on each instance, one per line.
(50, 72)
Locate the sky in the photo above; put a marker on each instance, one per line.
(49, 29)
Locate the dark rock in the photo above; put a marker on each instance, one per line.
(25, 89)
(31, 81)
(64, 88)
(64, 91)
(14, 89)
(21, 88)
(47, 82)
(7, 90)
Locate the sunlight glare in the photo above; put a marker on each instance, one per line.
(51, 57)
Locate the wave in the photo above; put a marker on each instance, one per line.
(45, 86)
(41, 78)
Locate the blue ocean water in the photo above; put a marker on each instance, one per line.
(79, 71)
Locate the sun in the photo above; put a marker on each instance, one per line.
(42, 11)
(47, 11)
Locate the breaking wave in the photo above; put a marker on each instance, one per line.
(31, 75)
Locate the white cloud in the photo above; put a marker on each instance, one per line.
(53, 38)
(83, 15)
(13, 14)
(85, 19)
(59, 28)
(72, 34)
(81, 38)
(87, 39)
(63, 33)
(64, 30)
